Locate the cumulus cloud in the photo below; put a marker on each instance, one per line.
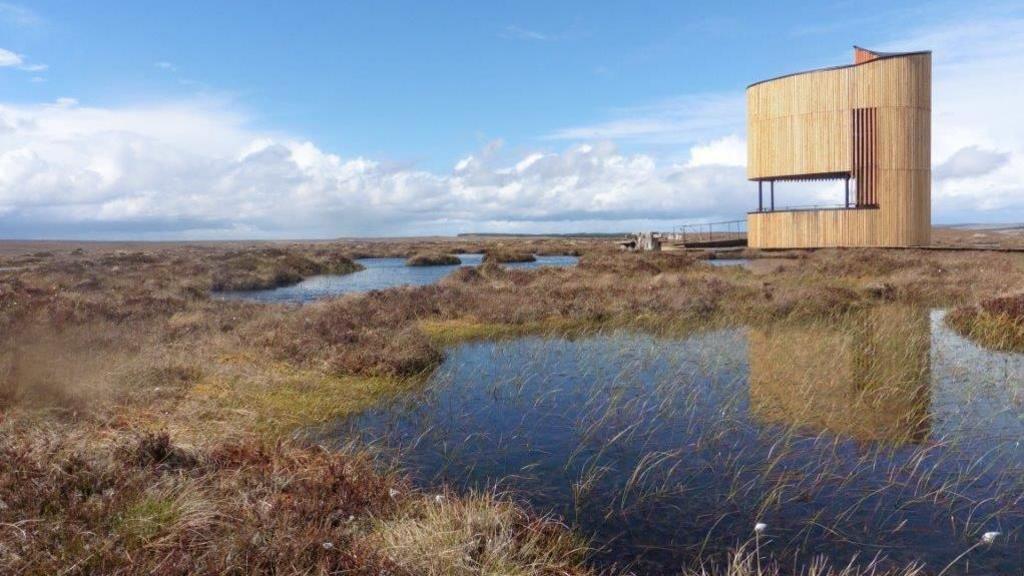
(971, 161)
(728, 151)
(8, 58)
(196, 169)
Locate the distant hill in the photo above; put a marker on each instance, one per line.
(568, 235)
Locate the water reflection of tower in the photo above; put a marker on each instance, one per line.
(867, 375)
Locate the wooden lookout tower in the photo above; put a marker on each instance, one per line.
(867, 124)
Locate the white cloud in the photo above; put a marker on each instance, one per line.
(8, 58)
(195, 168)
(18, 15)
(679, 121)
(977, 130)
(517, 33)
(728, 151)
(971, 161)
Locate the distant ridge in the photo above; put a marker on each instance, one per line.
(520, 235)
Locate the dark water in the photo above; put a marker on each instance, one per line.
(890, 437)
(379, 273)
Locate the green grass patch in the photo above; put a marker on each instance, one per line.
(147, 519)
(451, 332)
(277, 399)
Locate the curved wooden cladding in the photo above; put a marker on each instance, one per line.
(872, 121)
(799, 125)
(813, 228)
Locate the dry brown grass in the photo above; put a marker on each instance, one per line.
(482, 534)
(153, 508)
(433, 259)
(996, 323)
(272, 267)
(504, 256)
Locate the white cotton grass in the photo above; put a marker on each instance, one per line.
(393, 493)
(986, 538)
(760, 527)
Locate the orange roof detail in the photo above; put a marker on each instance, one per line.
(862, 55)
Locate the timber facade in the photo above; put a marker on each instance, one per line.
(867, 124)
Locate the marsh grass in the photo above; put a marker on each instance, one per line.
(146, 428)
(997, 323)
(274, 398)
(234, 507)
(506, 256)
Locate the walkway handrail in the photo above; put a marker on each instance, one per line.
(706, 231)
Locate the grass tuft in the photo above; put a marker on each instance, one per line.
(996, 323)
(507, 256)
(433, 259)
(477, 534)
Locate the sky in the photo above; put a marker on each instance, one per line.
(209, 120)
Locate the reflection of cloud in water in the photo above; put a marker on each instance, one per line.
(867, 376)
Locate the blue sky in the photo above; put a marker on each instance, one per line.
(134, 119)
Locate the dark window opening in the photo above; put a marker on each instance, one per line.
(766, 193)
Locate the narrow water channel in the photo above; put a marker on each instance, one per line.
(885, 435)
(378, 274)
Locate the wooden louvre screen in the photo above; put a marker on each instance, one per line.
(864, 155)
